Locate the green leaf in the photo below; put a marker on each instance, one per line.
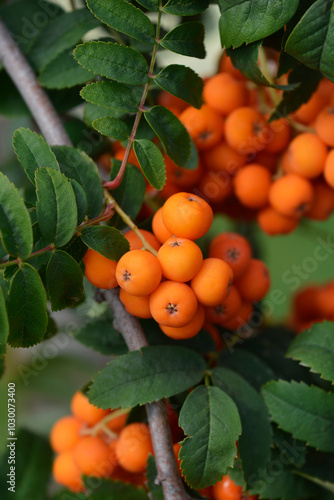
(304, 411)
(314, 348)
(182, 82)
(64, 280)
(61, 33)
(26, 308)
(93, 112)
(248, 365)
(56, 206)
(125, 18)
(81, 200)
(245, 59)
(112, 490)
(151, 162)
(34, 17)
(307, 81)
(111, 95)
(171, 132)
(247, 21)
(311, 41)
(63, 72)
(106, 240)
(33, 463)
(186, 7)
(153, 482)
(12, 104)
(129, 194)
(101, 336)
(150, 374)
(279, 482)
(112, 127)
(15, 225)
(186, 39)
(210, 449)
(4, 326)
(33, 152)
(256, 440)
(77, 165)
(319, 469)
(293, 450)
(152, 5)
(114, 61)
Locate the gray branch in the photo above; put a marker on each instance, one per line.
(34, 96)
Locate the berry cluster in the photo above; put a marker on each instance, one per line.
(98, 443)
(274, 172)
(313, 304)
(177, 286)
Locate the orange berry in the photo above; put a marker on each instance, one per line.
(226, 66)
(308, 112)
(246, 131)
(188, 331)
(66, 472)
(323, 201)
(226, 309)
(65, 434)
(223, 158)
(99, 270)
(136, 243)
(280, 135)
(224, 93)
(307, 155)
(176, 450)
(173, 304)
(226, 489)
(205, 126)
(117, 423)
(325, 300)
(272, 222)
(93, 457)
(255, 282)
(212, 282)
(158, 227)
(268, 160)
(187, 215)
(233, 249)
(215, 186)
(134, 446)
(252, 184)
(324, 125)
(291, 195)
(329, 169)
(183, 177)
(85, 411)
(138, 272)
(240, 318)
(136, 305)
(180, 259)
(171, 101)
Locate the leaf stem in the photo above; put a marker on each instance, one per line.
(118, 179)
(125, 218)
(107, 214)
(49, 248)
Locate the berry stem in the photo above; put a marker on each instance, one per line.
(102, 424)
(132, 225)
